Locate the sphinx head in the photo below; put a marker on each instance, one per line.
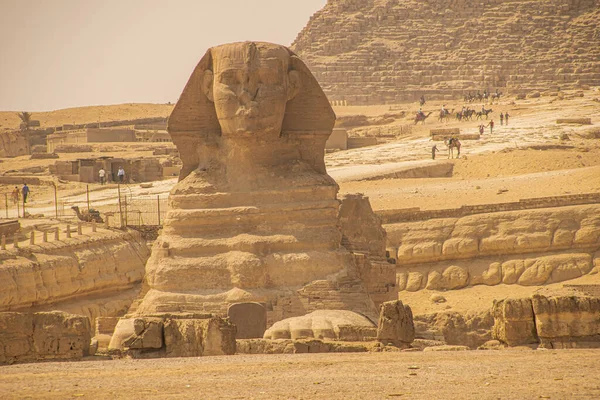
(250, 84)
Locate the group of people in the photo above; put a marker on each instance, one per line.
(23, 193)
(120, 175)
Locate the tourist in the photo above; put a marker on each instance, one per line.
(506, 117)
(481, 128)
(121, 174)
(25, 192)
(491, 125)
(501, 119)
(102, 175)
(16, 194)
(433, 150)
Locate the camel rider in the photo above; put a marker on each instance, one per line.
(420, 113)
(443, 110)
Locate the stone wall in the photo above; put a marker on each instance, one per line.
(562, 318)
(43, 336)
(386, 51)
(63, 273)
(532, 247)
(416, 214)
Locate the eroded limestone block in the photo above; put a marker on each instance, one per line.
(396, 324)
(455, 277)
(199, 337)
(567, 320)
(493, 275)
(324, 324)
(414, 282)
(514, 322)
(148, 333)
(43, 336)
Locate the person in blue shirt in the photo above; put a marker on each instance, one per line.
(25, 192)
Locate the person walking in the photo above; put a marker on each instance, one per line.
(121, 174)
(25, 192)
(102, 175)
(491, 125)
(481, 128)
(501, 119)
(506, 117)
(16, 195)
(434, 149)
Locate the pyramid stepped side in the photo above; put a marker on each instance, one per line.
(385, 51)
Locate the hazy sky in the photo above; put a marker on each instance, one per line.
(67, 53)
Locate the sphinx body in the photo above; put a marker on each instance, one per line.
(254, 214)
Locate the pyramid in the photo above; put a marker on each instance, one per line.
(387, 51)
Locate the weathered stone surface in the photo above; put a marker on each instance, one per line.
(250, 319)
(43, 336)
(567, 319)
(199, 337)
(324, 324)
(254, 216)
(106, 262)
(148, 334)
(514, 322)
(395, 324)
(287, 346)
(414, 282)
(454, 328)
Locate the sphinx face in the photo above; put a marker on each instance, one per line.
(250, 88)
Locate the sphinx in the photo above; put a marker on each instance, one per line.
(254, 215)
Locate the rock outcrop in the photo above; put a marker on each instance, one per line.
(395, 324)
(385, 51)
(189, 335)
(43, 336)
(61, 274)
(552, 318)
(527, 247)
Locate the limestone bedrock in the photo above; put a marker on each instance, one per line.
(254, 216)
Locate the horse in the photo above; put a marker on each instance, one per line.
(495, 96)
(485, 112)
(445, 115)
(421, 118)
(452, 144)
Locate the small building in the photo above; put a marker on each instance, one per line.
(89, 135)
(86, 169)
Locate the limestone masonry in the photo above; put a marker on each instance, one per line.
(386, 51)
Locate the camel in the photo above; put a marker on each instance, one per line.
(485, 112)
(88, 216)
(421, 118)
(452, 143)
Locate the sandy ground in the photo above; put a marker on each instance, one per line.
(506, 374)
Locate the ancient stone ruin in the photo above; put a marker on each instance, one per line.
(254, 217)
(388, 51)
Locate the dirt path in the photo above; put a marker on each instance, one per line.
(507, 374)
